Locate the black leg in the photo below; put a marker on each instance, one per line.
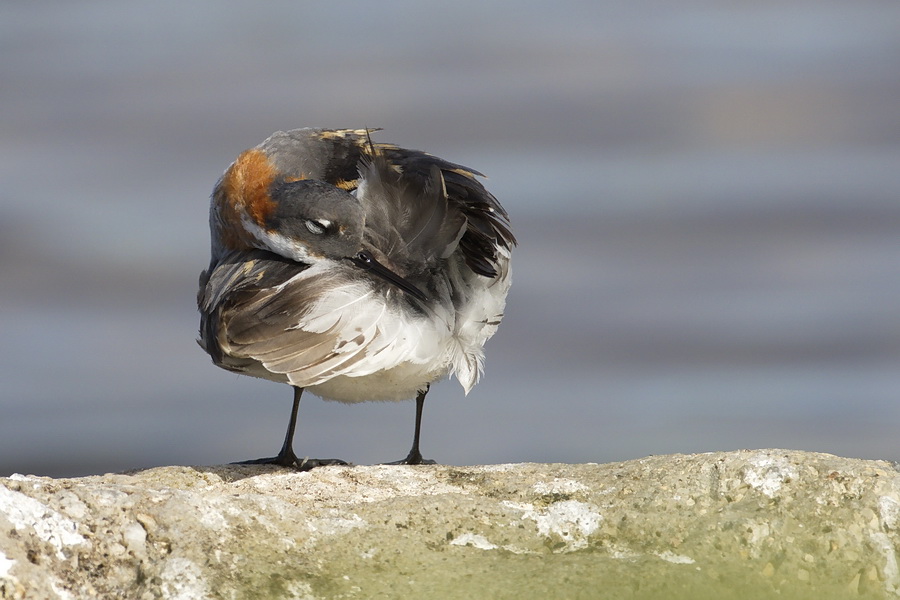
(286, 456)
(415, 457)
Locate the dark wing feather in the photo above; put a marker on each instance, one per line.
(268, 315)
(235, 280)
(431, 206)
(409, 220)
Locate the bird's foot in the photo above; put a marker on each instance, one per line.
(413, 458)
(292, 462)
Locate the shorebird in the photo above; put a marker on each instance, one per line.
(356, 270)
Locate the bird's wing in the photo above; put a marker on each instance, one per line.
(308, 323)
(410, 221)
(431, 208)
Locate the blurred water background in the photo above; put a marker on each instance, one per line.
(707, 196)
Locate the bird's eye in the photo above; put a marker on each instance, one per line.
(317, 226)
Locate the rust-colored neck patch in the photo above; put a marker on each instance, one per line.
(245, 185)
(243, 192)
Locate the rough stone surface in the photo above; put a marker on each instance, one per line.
(749, 524)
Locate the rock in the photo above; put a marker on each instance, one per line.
(748, 524)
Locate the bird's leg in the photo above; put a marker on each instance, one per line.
(286, 456)
(415, 457)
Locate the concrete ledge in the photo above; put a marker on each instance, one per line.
(749, 524)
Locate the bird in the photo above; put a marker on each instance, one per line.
(356, 270)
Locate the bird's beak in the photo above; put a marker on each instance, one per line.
(365, 260)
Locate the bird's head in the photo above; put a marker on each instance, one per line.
(310, 220)
(304, 220)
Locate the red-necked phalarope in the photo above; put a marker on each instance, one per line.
(358, 271)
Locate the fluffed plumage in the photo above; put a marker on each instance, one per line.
(359, 271)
